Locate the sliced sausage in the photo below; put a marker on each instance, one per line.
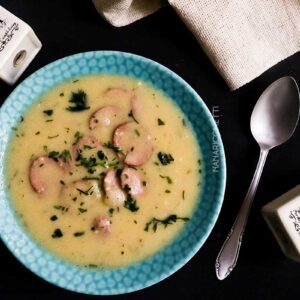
(103, 117)
(35, 172)
(114, 194)
(131, 178)
(135, 141)
(102, 224)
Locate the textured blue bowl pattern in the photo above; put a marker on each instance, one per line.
(194, 234)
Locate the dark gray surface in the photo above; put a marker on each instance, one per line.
(68, 27)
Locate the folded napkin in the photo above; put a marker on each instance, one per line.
(241, 38)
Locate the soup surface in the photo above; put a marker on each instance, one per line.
(104, 170)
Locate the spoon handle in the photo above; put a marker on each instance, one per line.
(228, 255)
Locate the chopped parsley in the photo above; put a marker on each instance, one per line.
(62, 182)
(183, 194)
(48, 112)
(160, 122)
(169, 180)
(65, 155)
(53, 136)
(78, 102)
(78, 135)
(137, 132)
(110, 212)
(57, 233)
(88, 163)
(167, 191)
(131, 115)
(84, 192)
(61, 94)
(130, 204)
(165, 158)
(60, 207)
(78, 233)
(53, 218)
(126, 187)
(37, 133)
(90, 178)
(109, 145)
(183, 122)
(82, 210)
(144, 183)
(54, 155)
(101, 155)
(21, 119)
(154, 222)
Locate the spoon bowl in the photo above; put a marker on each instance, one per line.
(275, 115)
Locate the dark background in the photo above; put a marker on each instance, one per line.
(68, 27)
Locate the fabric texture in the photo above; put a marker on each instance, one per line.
(242, 38)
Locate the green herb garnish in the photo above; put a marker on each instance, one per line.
(167, 191)
(78, 135)
(101, 155)
(154, 222)
(165, 158)
(84, 192)
(78, 233)
(37, 133)
(57, 233)
(90, 178)
(54, 155)
(60, 207)
(53, 136)
(109, 145)
(183, 195)
(160, 122)
(53, 218)
(79, 101)
(137, 132)
(48, 112)
(82, 210)
(65, 155)
(110, 212)
(130, 204)
(169, 180)
(131, 115)
(88, 163)
(61, 94)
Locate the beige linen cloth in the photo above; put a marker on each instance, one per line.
(242, 38)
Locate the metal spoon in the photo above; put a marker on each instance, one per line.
(273, 121)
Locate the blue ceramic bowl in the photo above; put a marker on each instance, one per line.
(196, 231)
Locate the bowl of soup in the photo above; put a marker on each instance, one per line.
(112, 172)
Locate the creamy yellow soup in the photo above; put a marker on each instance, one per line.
(61, 203)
